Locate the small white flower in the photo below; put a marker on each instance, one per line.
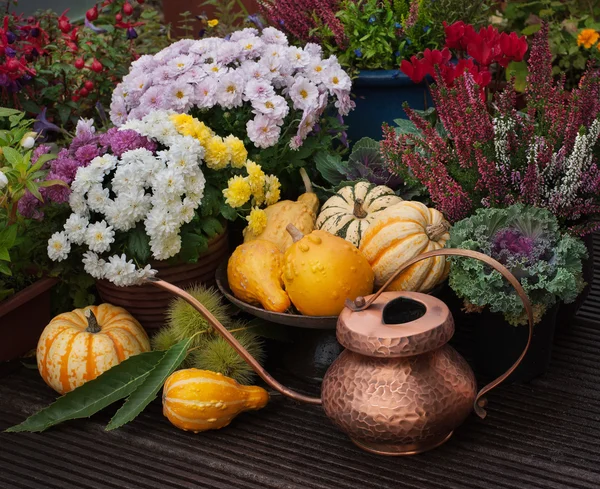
(98, 198)
(93, 265)
(84, 127)
(180, 94)
(58, 246)
(298, 58)
(75, 227)
(78, 204)
(272, 35)
(231, 90)
(146, 272)
(160, 222)
(337, 79)
(316, 70)
(304, 93)
(99, 236)
(263, 131)
(85, 177)
(180, 65)
(3, 180)
(106, 163)
(275, 107)
(28, 142)
(166, 247)
(206, 93)
(121, 271)
(169, 181)
(258, 90)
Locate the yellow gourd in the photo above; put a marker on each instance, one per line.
(321, 271)
(254, 275)
(78, 346)
(400, 233)
(301, 213)
(200, 400)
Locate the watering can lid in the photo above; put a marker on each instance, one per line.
(371, 331)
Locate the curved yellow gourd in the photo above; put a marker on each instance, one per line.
(302, 213)
(254, 275)
(321, 271)
(78, 346)
(400, 233)
(200, 400)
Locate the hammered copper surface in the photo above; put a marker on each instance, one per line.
(399, 404)
(365, 332)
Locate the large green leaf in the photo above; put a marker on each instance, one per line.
(5, 112)
(331, 167)
(146, 392)
(114, 384)
(12, 156)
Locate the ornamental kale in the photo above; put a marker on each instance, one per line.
(494, 155)
(527, 240)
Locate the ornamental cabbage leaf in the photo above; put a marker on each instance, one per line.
(528, 242)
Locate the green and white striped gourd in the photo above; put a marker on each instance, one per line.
(349, 213)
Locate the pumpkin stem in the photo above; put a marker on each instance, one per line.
(307, 185)
(359, 211)
(436, 231)
(93, 326)
(295, 233)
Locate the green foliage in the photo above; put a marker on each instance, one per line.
(565, 19)
(57, 83)
(93, 396)
(556, 276)
(146, 392)
(379, 34)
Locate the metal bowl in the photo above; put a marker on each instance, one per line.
(289, 319)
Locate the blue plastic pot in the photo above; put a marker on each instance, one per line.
(379, 95)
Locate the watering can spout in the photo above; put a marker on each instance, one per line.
(224, 332)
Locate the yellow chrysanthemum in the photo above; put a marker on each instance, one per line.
(257, 221)
(256, 178)
(587, 38)
(238, 151)
(187, 125)
(237, 192)
(213, 23)
(273, 186)
(217, 154)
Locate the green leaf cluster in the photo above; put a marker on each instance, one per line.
(556, 277)
(565, 20)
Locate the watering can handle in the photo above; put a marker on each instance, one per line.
(248, 358)
(360, 304)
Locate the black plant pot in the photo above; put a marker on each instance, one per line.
(498, 345)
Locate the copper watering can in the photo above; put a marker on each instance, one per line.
(398, 388)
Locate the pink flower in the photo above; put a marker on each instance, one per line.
(263, 131)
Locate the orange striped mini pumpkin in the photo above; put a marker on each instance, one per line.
(400, 233)
(201, 400)
(78, 346)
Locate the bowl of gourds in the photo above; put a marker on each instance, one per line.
(301, 269)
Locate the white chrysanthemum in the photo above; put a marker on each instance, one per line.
(58, 246)
(98, 198)
(275, 107)
(304, 93)
(93, 265)
(206, 93)
(121, 272)
(99, 236)
(86, 177)
(258, 90)
(180, 64)
(250, 46)
(127, 177)
(106, 163)
(166, 247)
(85, 127)
(298, 58)
(168, 181)
(160, 222)
(78, 204)
(75, 227)
(215, 70)
(336, 79)
(187, 210)
(263, 131)
(144, 273)
(255, 70)
(272, 35)
(180, 95)
(128, 209)
(231, 90)
(316, 70)
(194, 185)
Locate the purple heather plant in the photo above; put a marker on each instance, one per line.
(86, 146)
(546, 155)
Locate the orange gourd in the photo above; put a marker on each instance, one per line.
(78, 346)
(200, 400)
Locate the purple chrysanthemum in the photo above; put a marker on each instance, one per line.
(87, 153)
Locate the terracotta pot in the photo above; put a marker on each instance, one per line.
(149, 304)
(23, 317)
